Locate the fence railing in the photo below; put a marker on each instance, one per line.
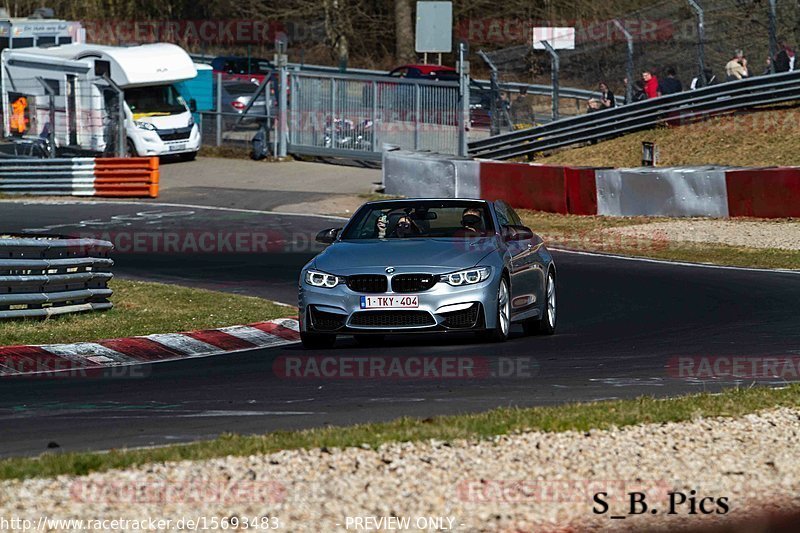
(608, 123)
(353, 116)
(532, 88)
(237, 115)
(44, 276)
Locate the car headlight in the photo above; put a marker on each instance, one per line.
(144, 125)
(467, 277)
(322, 279)
(191, 121)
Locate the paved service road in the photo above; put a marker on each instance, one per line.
(242, 183)
(621, 322)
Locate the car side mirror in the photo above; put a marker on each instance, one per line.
(327, 236)
(193, 105)
(517, 233)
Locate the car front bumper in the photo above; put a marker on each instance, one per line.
(148, 143)
(441, 308)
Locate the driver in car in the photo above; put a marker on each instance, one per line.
(405, 227)
(472, 221)
(396, 225)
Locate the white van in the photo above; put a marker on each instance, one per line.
(157, 119)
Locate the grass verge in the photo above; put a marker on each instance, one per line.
(142, 308)
(595, 234)
(762, 137)
(579, 417)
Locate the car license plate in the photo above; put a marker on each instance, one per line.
(389, 302)
(177, 147)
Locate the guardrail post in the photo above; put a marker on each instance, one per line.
(273, 129)
(283, 69)
(629, 63)
(333, 113)
(375, 141)
(417, 107)
(219, 110)
(556, 64)
(463, 85)
(122, 134)
(701, 39)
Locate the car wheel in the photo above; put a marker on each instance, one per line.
(317, 341)
(546, 325)
(189, 156)
(369, 340)
(503, 319)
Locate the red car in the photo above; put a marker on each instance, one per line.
(479, 99)
(431, 72)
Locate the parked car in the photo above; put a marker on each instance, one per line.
(236, 95)
(242, 68)
(425, 266)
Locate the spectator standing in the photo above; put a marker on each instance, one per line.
(638, 93)
(669, 84)
(606, 96)
(736, 69)
(768, 67)
(709, 76)
(522, 109)
(784, 59)
(650, 83)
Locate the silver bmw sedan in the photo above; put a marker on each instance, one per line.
(427, 265)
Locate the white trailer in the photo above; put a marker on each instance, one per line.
(83, 81)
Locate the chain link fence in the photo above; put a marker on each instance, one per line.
(665, 34)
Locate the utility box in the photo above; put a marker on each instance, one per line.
(649, 154)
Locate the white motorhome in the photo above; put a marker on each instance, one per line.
(157, 119)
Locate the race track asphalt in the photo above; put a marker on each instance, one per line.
(621, 323)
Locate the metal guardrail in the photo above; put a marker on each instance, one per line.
(81, 176)
(47, 276)
(608, 123)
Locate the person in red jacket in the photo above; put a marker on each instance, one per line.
(650, 84)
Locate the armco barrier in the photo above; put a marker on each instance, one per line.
(764, 192)
(581, 188)
(426, 175)
(538, 187)
(669, 192)
(45, 276)
(651, 191)
(81, 176)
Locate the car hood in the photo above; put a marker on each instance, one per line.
(435, 255)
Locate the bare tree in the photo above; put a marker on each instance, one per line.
(338, 28)
(404, 32)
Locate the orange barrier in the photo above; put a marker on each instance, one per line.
(126, 176)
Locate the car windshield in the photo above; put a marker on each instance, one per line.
(155, 100)
(402, 220)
